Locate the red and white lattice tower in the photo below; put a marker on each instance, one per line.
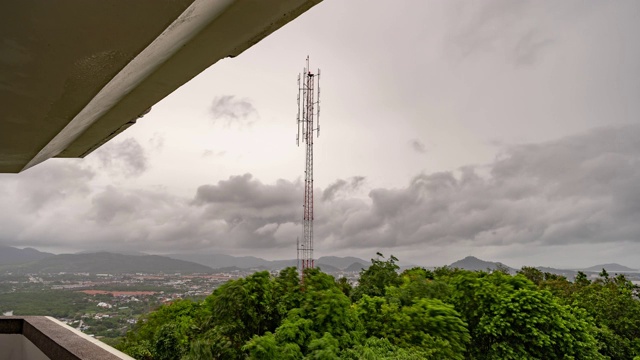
(308, 123)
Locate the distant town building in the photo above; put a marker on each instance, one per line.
(104, 305)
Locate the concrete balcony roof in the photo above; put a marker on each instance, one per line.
(75, 73)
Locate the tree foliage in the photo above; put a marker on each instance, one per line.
(417, 314)
(374, 280)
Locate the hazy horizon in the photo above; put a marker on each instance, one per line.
(402, 262)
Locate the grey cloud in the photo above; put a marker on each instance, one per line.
(480, 26)
(127, 157)
(230, 110)
(29, 201)
(211, 153)
(207, 153)
(244, 190)
(139, 219)
(246, 207)
(580, 189)
(342, 186)
(576, 190)
(240, 212)
(52, 182)
(499, 26)
(156, 142)
(418, 146)
(111, 203)
(529, 48)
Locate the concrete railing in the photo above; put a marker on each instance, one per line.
(43, 337)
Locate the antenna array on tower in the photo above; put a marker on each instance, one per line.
(308, 121)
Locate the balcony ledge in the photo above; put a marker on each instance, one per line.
(44, 337)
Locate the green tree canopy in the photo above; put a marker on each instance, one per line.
(377, 277)
(418, 314)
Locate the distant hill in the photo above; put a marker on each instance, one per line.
(356, 267)
(218, 261)
(327, 268)
(135, 253)
(229, 269)
(221, 261)
(569, 274)
(105, 262)
(610, 268)
(281, 264)
(10, 255)
(473, 263)
(340, 262)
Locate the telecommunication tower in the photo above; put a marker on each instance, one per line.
(308, 121)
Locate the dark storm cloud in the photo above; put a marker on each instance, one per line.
(251, 211)
(244, 190)
(230, 110)
(418, 146)
(127, 157)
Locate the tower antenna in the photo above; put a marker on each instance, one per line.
(308, 122)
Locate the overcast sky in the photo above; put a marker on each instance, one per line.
(507, 130)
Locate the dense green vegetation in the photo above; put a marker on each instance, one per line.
(108, 263)
(56, 303)
(64, 303)
(417, 314)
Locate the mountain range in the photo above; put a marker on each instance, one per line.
(32, 261)
(10, 255)
(473, 263)
(104, 262)
(220, 261)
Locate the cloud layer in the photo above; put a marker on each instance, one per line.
(581, 189)
(230, 110)
(501, 26)
(126, 157)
